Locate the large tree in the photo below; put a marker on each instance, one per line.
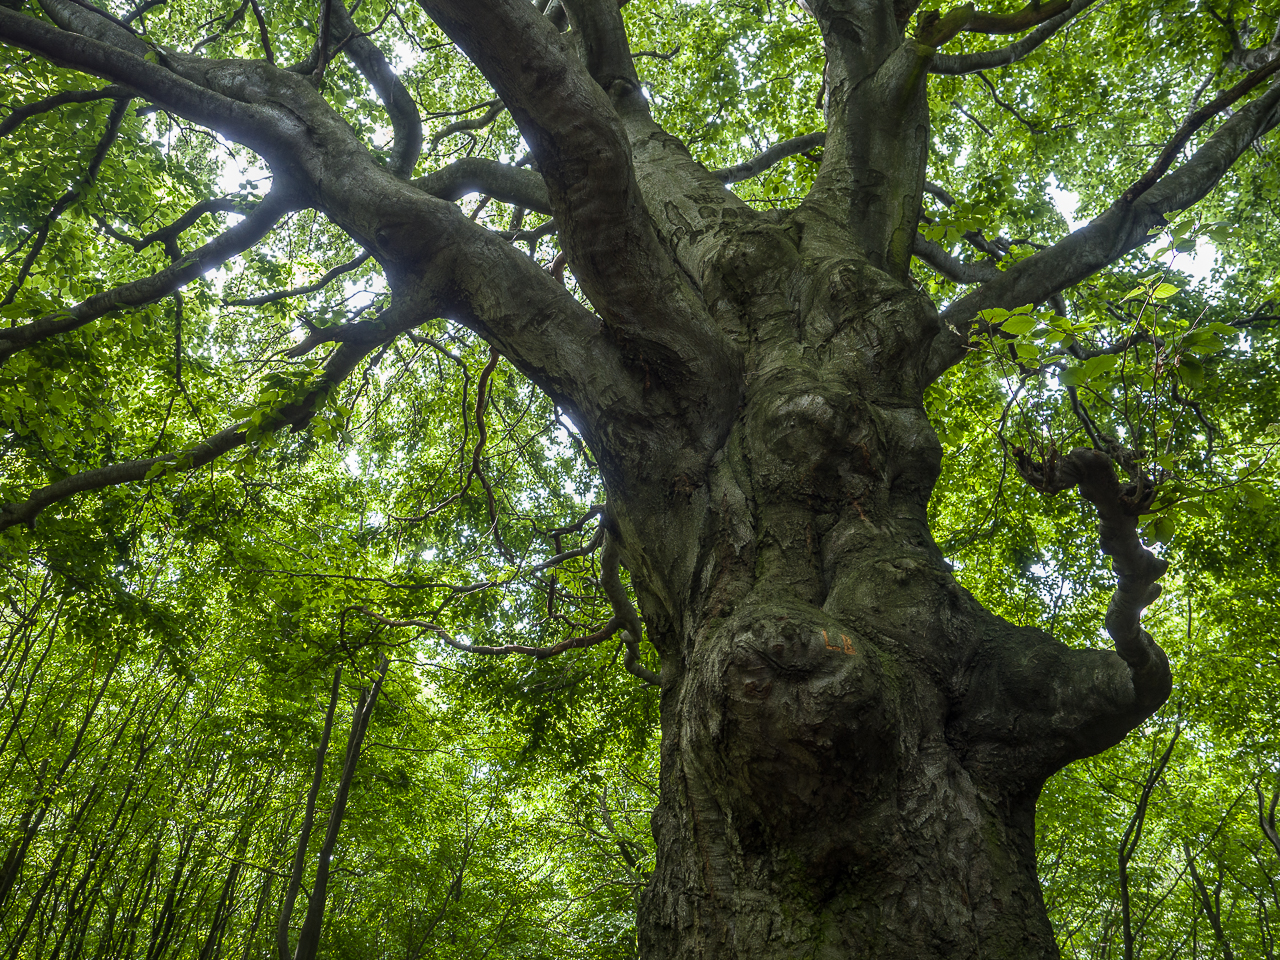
(852, 745)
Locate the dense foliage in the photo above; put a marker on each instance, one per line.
(168, 645)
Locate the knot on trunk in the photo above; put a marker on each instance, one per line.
(1092, 472)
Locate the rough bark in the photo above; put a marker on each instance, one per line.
(852, 746)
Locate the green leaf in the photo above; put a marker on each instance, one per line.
(1190, 371)
(1019, 324)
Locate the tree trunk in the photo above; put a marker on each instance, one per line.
(309, 936)
(852, 746)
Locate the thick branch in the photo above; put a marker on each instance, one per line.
(1029, 16)
(502, 181)
(991, 59)
(599, 27)
(406, 124)
(583, 154)
(1123, 228)
(91, 21)
(768, 158)
(872, 174)
(1193, 123)
(235, 240)
(94, 45)
(1136, 568)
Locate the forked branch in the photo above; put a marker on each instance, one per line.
(1127, 225)
(1193, 123)
(235, 240)
(295, 415)
(991, 59)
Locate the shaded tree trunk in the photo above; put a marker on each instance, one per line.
(294, 886)
(852, 746)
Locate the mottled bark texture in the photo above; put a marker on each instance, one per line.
(852, 747)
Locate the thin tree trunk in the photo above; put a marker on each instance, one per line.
(14, 860)
(304, 837)
(309, 936)
(1211, 905)
(226, 901)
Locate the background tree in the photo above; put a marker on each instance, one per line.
(853, 743)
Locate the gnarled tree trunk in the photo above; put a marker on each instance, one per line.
(852, 746)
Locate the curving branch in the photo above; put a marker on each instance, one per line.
(495, 109)
(27, 111)
(1136, 568)
(502, 181)
(1032, 14)
(624, 612)
(1267, 817)
(138, 293)
(406, 124)
(953, 64)
(141, 9)
(768, 158)
(1008, 107)
(91, 21)
(95, 45)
